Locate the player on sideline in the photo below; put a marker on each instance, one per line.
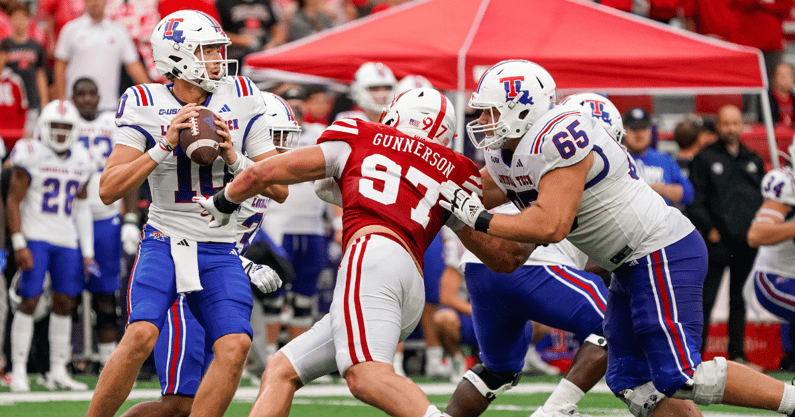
(389, 174)
(179, 254)
(98, 134)
(47, 214)
(571, 179)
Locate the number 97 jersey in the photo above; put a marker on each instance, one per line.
(392, 180)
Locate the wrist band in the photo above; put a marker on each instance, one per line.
(223, 204)
(240, 164)
(18, 241)
(482, 222)
(159, 152)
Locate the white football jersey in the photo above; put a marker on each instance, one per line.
(620, 217)
(302, 212)
(46, 210)
(561, 253)
(98, 136)
(779, 185)
(143, 116)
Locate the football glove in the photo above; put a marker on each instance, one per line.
(218, 207)
(466, 207)
(130, 236)
(262, 276)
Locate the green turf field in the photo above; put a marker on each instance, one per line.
(334, 400)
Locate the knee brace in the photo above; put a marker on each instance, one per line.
(707, 385)
(272, 309)
(104, 306)
(302, 310)
(597, 340)
(490, 384)
(642, 400)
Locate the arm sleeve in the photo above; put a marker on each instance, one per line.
(336, 154)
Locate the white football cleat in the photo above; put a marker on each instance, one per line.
(533, 364)
(20, 383)
(568, 410)
(62, 380)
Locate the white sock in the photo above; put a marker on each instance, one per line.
(565, 393)
(432, 411)
(787, 405)
(60, 338)
(21, 338)
(105, 350)
(434, 355)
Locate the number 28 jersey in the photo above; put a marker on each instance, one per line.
(55, 182)
(391, 180)
(143, 116)
(620, 217)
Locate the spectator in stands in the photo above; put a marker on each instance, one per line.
(309, 18)
(252, 26)
(658, 169)
(761, 26)
(713, 18)
(94, 47)
(139, 18)
(13, 103)
(33, 30)
(27, 58)
(782, 102)
(54, 15)
(726, 177)
(317, 105)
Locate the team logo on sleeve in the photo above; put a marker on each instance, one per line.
(172, 32)
(513, 90)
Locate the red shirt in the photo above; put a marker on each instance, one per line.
(393, 181)
(60, 11)
(13, 107)
(784, 108)
(763, 22)
(166, 7)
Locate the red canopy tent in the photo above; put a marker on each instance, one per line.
(583, 45)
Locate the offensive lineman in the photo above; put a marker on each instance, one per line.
(388, 175)
(571, 179)
(178, 252)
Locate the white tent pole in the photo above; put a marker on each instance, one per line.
(460, 101)
(460, 112)
(767, 116)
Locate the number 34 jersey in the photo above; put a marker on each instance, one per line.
(55, 181)
(143, 116)
(392, 180)
(620, 217)
(779, 185)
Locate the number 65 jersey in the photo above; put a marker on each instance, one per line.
(620, 217)
(392, 180)
(143, 116)
(55, 182)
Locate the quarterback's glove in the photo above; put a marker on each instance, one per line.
(130, 234)
(467, 207)
(218, 207)
(263, 277)
(328, 190)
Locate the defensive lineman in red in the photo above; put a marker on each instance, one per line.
(389, 175)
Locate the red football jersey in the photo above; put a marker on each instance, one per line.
(392, 180)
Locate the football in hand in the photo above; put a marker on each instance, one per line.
(200, 142)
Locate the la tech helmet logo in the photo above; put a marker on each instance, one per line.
(598, 111)
(172, 33)
(513, 90)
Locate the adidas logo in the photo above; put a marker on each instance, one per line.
(472, 211)
(224, 109)
(233, 252)
(519, 163)
(183, 242)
